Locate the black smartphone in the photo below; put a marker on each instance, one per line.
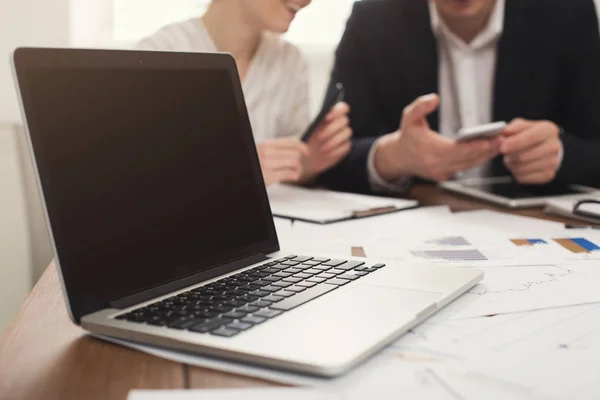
(333, 96)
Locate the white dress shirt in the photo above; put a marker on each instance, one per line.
(466, 83)
(276, 84)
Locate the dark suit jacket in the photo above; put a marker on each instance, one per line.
(548, 68)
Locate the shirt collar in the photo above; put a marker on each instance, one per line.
(492, 31)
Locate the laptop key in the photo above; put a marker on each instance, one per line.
(248, 309)
(293, 270)
(240, 326)
(336, 271)
(302, 258)
(282, 284)
(321, 259)
(326, 275)
(273, 298)
(303, 267)
(270, 270)
(378, 266)
(271, 289)
(307, 284)
(285, 293)
(361, 273)
(237, 314)
(311, 271)
(260, 293)
(350, 265)
(185, 323)
(302, 275)
(209, 325)
(293, 279)
(334, 263)
(251, 319)
(301, 298)
(262, 303)
(291, 263)
(311, 262)
(295, 289)
(267, 313)
(337, 282)
(282, 274)
(362, 268)
(272, 278)
(349, 277)
(225, 332)
(290, 257)
(322, 267)
(316, 279)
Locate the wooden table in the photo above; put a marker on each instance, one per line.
(43, 355)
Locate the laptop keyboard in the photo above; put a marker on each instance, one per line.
(237, 303)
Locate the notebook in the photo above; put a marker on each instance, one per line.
(324, 206)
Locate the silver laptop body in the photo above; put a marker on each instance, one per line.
(162, 229)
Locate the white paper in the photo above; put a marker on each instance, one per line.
(234, 394)
(558, 374)
(544, 330)
(506, 223)
(516, 289)
(324, 205)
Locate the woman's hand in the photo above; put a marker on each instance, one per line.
(281, 160)
(330, 143)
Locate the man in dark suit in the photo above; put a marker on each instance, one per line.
(415, 72)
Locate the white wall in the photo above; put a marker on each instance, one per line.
(22, 23)
(15, 261)
(27, 23)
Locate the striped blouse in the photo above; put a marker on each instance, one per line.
(276, 84)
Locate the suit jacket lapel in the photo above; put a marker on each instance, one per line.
(515, 67)
(421, 56)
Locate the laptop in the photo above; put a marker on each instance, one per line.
(162, 229)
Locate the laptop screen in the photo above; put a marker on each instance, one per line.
(149, 175)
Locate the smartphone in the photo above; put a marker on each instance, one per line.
(332, 97)
(487, 131)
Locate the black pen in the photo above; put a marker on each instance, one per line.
(569, 226)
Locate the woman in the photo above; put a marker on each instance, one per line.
(274, 79)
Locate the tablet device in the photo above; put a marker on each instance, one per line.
(487, 131)
(505, 191)
(333, 96)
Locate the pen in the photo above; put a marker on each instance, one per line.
(569, 226)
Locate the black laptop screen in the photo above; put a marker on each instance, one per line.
(149, 175)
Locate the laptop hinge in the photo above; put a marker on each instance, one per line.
(190, 280)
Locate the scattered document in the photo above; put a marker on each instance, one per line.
(324, 206)
(516, 289)
(575, 327)
(557, 374)
(234, 394)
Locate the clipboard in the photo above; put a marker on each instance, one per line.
(323, 207)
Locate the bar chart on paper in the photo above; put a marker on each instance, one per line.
(450, 255)
(578, 245)
(528, 242)
(449, 241)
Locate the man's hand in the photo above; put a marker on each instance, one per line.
(281, 160)
(329, 143)
(416, 150)
(532, 150)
